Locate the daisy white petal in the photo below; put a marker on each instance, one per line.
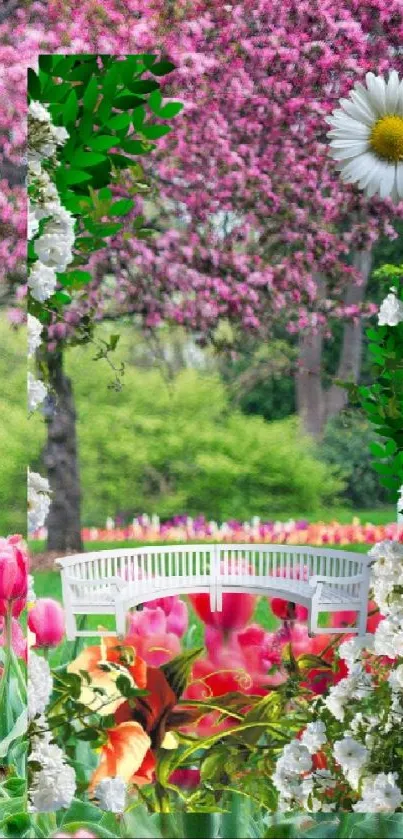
(399, 180)
(392, 92)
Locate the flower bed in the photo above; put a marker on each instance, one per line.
(182, 529)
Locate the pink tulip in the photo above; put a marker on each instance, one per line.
(13, 575)
(46, 620)
(148, 622)
(178, 618)
(155, 649)
(18, 641)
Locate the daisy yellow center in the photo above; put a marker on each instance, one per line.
(386, 138)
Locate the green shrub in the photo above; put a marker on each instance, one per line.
(346, 446)
(183, 449)
(20, 439)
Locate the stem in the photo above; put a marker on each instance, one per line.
(7, 652)
(231, 827)
(199, 825)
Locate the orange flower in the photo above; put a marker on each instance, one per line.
(104, 664)
(127, 754)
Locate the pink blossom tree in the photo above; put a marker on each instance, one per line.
(255, 226)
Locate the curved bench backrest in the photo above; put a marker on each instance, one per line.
(227, 562)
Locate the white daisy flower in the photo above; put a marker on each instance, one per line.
(366, 138)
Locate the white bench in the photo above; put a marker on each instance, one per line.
(112, 582)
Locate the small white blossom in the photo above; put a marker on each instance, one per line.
(396, 678)
(37, 111)
(38, 500)
(40, 685)
(350, 754)
(111, 794)
(35, 328)
(314, 736)
(296, 757)
(37, 392)
(380, 794)
(42, 281)
(391, 311)
(53, 786)
(53, 250)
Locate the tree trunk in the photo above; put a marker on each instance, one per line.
(61, 460)
(316, 404)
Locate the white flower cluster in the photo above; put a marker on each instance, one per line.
(111, 794)
(387, 581)
(34, 334)
(54, 785)
(37, 392)
(380, 794)
(38, 500)
(299, 784)
(44, 137)
(357, 685)
(54, 246)
(391, 310)
(40, 685)
(352, 757)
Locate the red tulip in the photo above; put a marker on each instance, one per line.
(186, 778)
(285, 610)
(13, 575)
(46, 620)
(237, 610)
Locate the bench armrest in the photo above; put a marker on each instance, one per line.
(97, 581)
(344, 581)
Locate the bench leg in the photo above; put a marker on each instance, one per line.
(312, 621)
(213, 602)
(362, 622)
(71, 625)
(120, 622)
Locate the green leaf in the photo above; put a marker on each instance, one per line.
(134, 146)
(138, 117)
(143, 86)
(120, 161)
(119, 121)
(161, 68)
(75, 278)
(103, 142)
(61, 297)
(120, 208)
(34, 85)
(87, 734)
(87, 159)
(18, 729)
(127, 100)
(85, 129)
(153, 132)
(177, 671)
(55, 92)
(105, 194)
(91, 94)
(63, 67)
(377, 450)
(75, 176)
(70, 109)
